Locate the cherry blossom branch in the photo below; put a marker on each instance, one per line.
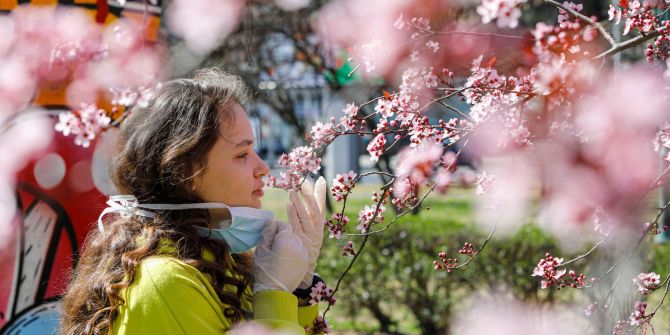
(474, 33)
(633, 42)
(616, 47)
(587, 20)
(665, 294)
(418, 203)
(366, 236)
(495, 225)
(360, 249)
(429, 33)
(586, 254)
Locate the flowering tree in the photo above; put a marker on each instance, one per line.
(564, 136)
(582, 138)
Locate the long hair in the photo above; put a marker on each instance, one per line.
(164, 146)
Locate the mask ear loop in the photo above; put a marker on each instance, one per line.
(127, 206)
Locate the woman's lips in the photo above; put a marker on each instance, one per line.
(258, 193)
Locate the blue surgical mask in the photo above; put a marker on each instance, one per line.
(242, 232)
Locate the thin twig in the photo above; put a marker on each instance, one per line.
(586, 254)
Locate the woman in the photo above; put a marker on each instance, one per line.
(176, 260)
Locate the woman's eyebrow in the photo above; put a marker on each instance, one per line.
(244, 143)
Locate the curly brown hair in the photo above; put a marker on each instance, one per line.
(164, 146)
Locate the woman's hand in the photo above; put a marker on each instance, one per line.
(309, 217)
(280, 259)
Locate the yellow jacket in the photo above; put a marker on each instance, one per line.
(170, 297)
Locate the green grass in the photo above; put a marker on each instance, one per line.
(448, 211)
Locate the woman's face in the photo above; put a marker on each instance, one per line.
(234, 171)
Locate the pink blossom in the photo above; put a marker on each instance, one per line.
(376, 147)
(384, 108)
(647, 282)
(323, 134)
(614, 14)
(351, 110)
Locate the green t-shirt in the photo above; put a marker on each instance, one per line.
(170, 297)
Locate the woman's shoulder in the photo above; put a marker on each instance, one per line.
(167, 289)
(165, 275)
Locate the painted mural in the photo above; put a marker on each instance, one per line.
(59, 197)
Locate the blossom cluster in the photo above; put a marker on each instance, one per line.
(507, 12)
(640, 16)
(321, 292)
(336, 225)
(370, 215)
(85, 123)
(638, 316)
(547, 268)
(300, 161)
(449, 264)
(565, 39)
(348, 249)
(342, 185)
(445, 263)
(319, 326)
(647, 282)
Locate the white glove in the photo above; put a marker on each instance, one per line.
(309, 217)
(280, 259)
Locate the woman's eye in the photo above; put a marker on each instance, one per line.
(244, 155)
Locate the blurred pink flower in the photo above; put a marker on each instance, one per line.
(506, 11)
(419, 163)
(290, 5)
(19, 143)
(203, 24)
(369, 32)
(502, 316)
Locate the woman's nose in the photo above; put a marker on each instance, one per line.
(263, 169)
